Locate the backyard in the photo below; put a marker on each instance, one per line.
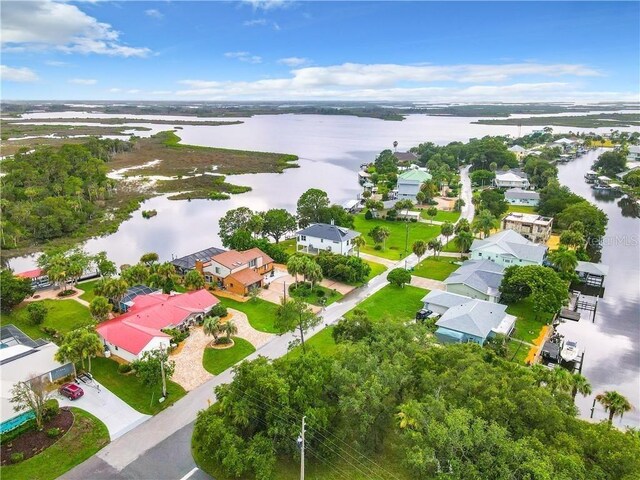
(393, 303)
(131, 389)
(261, 314)
(216, 361)
(86, 436)
(62, 315)
(527, 326)
(88, 289)
(435, 268)
(395, 244)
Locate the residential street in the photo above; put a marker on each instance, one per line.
(159, 448)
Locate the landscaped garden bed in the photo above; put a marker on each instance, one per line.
(216, 360)
(317, 295)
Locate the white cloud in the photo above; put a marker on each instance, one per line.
(17, 74)
(44, 24)
(83, 81)
(153, 13)
(268, 4)
(504, 82)
(133, 90)
(293, 61)
(56, 63)
(255, 23)
(244, 57)
(115, 90)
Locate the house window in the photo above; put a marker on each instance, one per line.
(335, 241)
(253, 263)
(302, 238)
(322, 240)
(479, 254)
(217, 269)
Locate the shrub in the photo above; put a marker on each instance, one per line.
(343, 268)
(320, 293)
(51, 409)
(378, 247)
(53, 432)
(16, 432)
(124, 368)
(177, 336)
(219, 311)
(36, 312)
(223, 341)
(368, 215)
(17, 457)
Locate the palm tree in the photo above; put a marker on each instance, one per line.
(564, 260)
(560, 379)
(295, 265)
(446, 229)
(484, 222)
(359, 242)
(383, 234)
(436, 246)
(313, 273)
(614, 403)
(419, 249)
(464, 240)
(229, 328)
(580, 385)
(211, 326)
(115, 289)
(541, 374)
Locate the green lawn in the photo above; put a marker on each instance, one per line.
(521, 209)
(131, 390)
(376, 269)
(261, 314)
(527, 327)
(442, 216)
(63, 315)
(435, 268)
(322, 342)
(88, 288)
(289, 246)
(216, 361)
(86, 436)
(395, 244)
(317, 296)
(451, 247)
(394, 303)
(517, 352)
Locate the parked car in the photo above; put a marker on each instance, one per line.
(71, 391)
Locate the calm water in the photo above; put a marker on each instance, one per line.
(612, 355)
(331, 148)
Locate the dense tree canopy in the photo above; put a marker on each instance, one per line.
(540, 171)
(14, 290)
(457, 411)
(493, 200)
(611, 163)
(545, 288)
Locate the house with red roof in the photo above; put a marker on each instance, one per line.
(38, 277)
(239, 271)
(140, 329)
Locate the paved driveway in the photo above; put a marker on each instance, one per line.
(114, 413)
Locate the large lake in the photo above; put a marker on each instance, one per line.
(331, 148)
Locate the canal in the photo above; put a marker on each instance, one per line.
(611, 342)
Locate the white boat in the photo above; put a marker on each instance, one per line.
(569, 351)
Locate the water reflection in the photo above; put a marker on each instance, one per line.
(612, 356)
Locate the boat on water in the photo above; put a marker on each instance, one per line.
(569, 351)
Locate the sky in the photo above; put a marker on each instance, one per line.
(302, 51)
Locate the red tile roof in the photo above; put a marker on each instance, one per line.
(149, 315)
(38, 272)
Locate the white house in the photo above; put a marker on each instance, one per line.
(409, 183)
(328, 237)
(634, 153)
(564, 143)
(508, 248)
(518, 196)
(511, 179)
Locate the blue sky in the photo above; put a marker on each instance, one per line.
(281, 50)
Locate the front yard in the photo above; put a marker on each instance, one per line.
(376, 269)
(62, 316)
(442, 216)
(216, 361)
(86, 436)
(131, 389)
(261, 314)
(88, 289)
(318, 296)
(394, 304)
(435, 268)
(527, 326)
(395, 243)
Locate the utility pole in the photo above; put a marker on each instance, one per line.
(301, 446)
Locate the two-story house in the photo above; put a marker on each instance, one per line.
(328, 237)
(530, 225)
(511, 179)
(409, 183)
(508, 248)
(239, 272)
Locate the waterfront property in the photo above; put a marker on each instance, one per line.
(564, 143)
(39, 279)
(592, 274)
(132, 292)
(239, 271)
(511, 179)
(531, 226)
(518, 196)
(508, 248)
(518, 151)
(465, 319)
(479, 279)
(23, 359)
(140, 329)
(405, 156)
(634, 153)
(196, 261)
(409, 183)
(326, 237)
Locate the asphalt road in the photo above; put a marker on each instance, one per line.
(160, 448)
